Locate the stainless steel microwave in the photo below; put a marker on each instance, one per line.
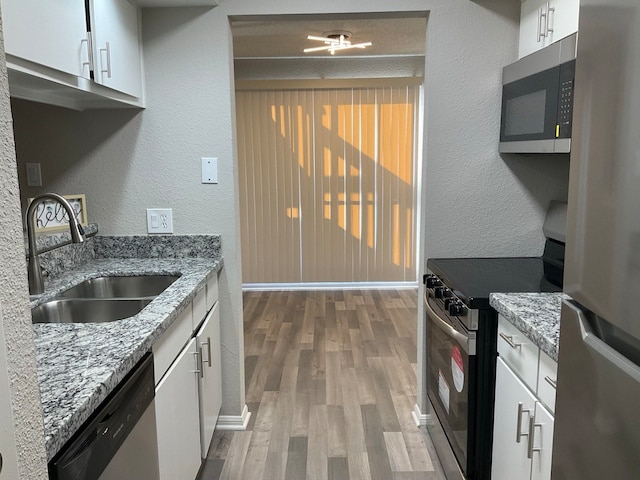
(537, 100)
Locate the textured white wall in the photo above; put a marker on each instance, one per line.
(476, 202)
(16, 333)
(126, 161)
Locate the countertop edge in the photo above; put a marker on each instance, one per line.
(536, 315)
(64, 409)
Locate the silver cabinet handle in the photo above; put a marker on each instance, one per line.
(521, 410)
(199, 369)
(89, 62)
(547, 29)
(509, 340)
(551, 382)
(107, 50)
(208, 344)
(532, 427)
(541, 25)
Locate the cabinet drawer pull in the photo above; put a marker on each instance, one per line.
(521, 410)
(532, 427)
(541, 24)
(208, 344)
(509, 340)
(89, 62)
(551, 382)
(107, 50)
(547, 28)
(199, 367)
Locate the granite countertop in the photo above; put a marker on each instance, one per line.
(80, 364)
(536, 315)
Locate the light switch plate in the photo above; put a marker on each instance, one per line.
(34, 175)
(159, 220)
(209, 170)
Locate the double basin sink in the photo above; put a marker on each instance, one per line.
(102, 299)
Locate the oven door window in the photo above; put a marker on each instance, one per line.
(530, 106)
(451, 387)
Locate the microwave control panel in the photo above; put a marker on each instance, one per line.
(565, 100)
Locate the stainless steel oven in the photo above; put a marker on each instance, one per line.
(461, 364)
(461, 350)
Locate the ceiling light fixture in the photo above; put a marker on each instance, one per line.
(334, 41)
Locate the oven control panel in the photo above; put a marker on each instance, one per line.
(448, 302)
(452, 304)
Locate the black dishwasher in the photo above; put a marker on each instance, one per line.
(87, 454)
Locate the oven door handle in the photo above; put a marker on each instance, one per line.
(462, 339)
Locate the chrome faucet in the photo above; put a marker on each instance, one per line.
(36, 282)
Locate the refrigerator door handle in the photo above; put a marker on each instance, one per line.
(594, 343)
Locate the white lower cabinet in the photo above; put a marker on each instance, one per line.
(188, 385)
(514, 405)
(542, 444)
(177, 418)
(525, 398)
(210, 380)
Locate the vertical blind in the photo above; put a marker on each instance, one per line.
(328, 184)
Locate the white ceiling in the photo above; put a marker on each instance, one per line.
(286, 36)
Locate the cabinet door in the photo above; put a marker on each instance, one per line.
(116, 46)
(563, 20)
(543, 443)
(177, 418)
(530, 26)
(208, 339)
(510, 460)
(544, 22)
(48, 33)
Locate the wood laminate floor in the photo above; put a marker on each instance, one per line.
(330, 384)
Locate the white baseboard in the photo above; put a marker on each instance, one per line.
(421, 419)
(234, 422)
(257, 287)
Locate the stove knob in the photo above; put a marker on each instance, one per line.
(442, 292)
(448, 302)
(457, 309)
(432, 281)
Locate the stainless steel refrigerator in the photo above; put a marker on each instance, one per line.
(597, 423)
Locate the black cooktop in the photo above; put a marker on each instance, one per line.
(473, 279)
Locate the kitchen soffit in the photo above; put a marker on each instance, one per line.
(285, 36)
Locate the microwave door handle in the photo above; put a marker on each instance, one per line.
(448, 329)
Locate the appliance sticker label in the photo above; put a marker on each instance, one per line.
(443, 390)
(457, 368)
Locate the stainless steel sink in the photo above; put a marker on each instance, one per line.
(121, 287)
(92, 310)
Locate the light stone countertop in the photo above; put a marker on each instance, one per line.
(80, 364)
(536, 315)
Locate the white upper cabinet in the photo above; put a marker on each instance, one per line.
(53, 34)
(61, 54)
(116, 46)
(545, 22)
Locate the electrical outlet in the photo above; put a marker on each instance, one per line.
(159, 220)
